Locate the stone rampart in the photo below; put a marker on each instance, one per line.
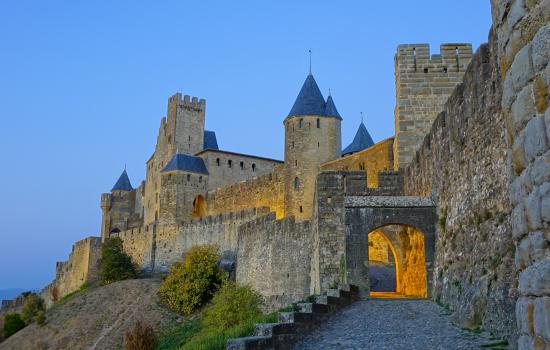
(273, 257)
(82, 266)
(138, 243)
(371, 160)
(172, 242)
(264, 191)
(462, 165)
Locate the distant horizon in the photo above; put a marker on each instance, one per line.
(85, 86)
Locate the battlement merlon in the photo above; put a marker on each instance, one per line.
(187, 100)
(411, 56)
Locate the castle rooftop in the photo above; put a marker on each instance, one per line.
(361, 141)
(186, 162)
(210, 140)
(123, 183)
(310, 101)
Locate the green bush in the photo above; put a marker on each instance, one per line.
(33, 309)
(12, 324)
(116, 265)
(192, 283)
(232, 305)
(140, 337)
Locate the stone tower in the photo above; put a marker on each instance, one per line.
(186, 123)
(183, 130)
(423, 83)
(184, 181)
(312, 137)
(117, 207)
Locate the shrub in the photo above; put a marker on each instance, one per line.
(12, 324)
(33, 308)
(140, 337)
(192, 283)
(232, 305)
(116, 265)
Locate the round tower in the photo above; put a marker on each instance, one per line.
(312, 137)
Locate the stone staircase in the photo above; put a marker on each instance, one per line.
(293, 326)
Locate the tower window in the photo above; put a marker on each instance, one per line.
(301, 123)
(296, 162)
(318, 123)
(444, 69)
(200, 178)
(188, 177)
(189, 138)
(425, 70)
(253, 167)
(169, 139)
(218, 161)
(296, 183)
(301, 209)
(292, 144)
(242, 165)
(229, 163)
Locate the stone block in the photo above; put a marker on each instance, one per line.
(523, 108)
(519, 161)
(521, 71)
(542, 317)
(522, 185)
(516, 13)
(541, 48)
(250, 343)
(525, 342)
(519, 221)
(535, 280)
(532, 210)
(535, 138)
(524, 316)
(531, 248)
(539, 173)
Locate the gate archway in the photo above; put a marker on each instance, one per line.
(414, 241)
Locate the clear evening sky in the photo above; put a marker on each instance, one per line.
(83, 85)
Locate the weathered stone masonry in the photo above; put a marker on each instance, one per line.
(462, 165)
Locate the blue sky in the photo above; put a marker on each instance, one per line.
(83, 86)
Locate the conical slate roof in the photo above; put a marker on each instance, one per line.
(123, 183)
(310, 100)
(361, 141)
(330, 108)
(186, 162)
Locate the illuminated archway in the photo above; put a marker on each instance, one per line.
(199, 206)
(406, 244)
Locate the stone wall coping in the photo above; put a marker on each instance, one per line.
(388, 201)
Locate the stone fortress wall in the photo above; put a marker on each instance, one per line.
(466, 151)
(522, 30)
(264, 191)
(372, 161)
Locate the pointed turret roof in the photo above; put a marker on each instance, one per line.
(310, 100)
(123, 183)
(210, 140)
(186, 162)
(330, 108)
(361, 141)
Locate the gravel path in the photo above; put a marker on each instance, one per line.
(393, 325)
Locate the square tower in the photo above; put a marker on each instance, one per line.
(423, 83)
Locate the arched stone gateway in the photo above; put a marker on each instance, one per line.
(409, 225)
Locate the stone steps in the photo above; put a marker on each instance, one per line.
(292, 326)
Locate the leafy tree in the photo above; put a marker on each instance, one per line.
(232, 305)
(12, 324)
(192, 283)
(115, 264)
(33, 308)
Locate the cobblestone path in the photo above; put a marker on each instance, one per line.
(392, 324)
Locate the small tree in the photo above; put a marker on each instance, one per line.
(192, 283)
(33, 309)
(232, 305)
(115, 264)
(140, 337)
(12, 324)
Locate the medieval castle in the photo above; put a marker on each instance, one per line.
(456, 201)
